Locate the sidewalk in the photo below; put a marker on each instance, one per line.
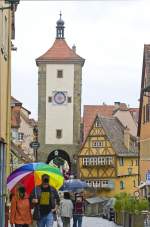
(94, 222)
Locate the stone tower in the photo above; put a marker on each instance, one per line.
(59, 103)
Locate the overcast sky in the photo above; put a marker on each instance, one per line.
(110, 35)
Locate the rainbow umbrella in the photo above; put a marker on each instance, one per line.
(30, 174)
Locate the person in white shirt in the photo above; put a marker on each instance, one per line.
(66, 209)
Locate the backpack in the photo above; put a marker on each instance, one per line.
(37, 193)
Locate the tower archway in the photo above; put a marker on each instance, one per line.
(60, 159)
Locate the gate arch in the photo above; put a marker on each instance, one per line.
(61, 159)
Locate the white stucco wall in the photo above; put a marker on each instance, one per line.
(58, 115)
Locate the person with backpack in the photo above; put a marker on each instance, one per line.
(43, 198)
(20, 211)
(78, 210)
(66, 209)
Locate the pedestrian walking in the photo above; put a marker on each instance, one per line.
(20, 212)
(66, 209)
(44, 202)
(78, 210)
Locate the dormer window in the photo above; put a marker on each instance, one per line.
(97, 124)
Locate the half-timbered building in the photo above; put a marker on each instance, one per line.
(108, 159)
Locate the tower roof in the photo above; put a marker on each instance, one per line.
(60, 52)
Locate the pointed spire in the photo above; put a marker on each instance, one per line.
(60, 15)
(60, 28)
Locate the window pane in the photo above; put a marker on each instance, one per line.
(59, 133)
(49, 99)
(59, 73)
(69, 100)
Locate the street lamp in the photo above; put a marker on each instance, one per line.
(35, 143)
(12, 4)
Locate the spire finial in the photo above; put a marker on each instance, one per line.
(60, 28)
(60, 15)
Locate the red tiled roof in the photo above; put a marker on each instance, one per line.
(18, 103)
(134, 109)
(60, 51)
(90, 112)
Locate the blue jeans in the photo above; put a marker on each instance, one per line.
(77, 220)
(46, 221)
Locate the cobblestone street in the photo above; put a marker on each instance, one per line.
(96, 222)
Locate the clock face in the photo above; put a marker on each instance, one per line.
(59, 97)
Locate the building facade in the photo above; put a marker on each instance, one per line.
(144, 116)
(7, 31)
(108, 159)
(59, 102)
(21, 134)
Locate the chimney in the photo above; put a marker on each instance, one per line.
(74, 48)
(117, 105)
(127, 137)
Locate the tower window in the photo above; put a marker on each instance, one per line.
(59, 74)
(58, 133)
(49, 99)
(69, 100)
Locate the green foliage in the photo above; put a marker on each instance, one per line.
(130, 204)
(118, 205)
(143, 204)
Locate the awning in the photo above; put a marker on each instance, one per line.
(94, 200)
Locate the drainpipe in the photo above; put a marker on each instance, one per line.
(2, 180)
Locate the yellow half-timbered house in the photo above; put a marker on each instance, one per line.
(108, 159)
